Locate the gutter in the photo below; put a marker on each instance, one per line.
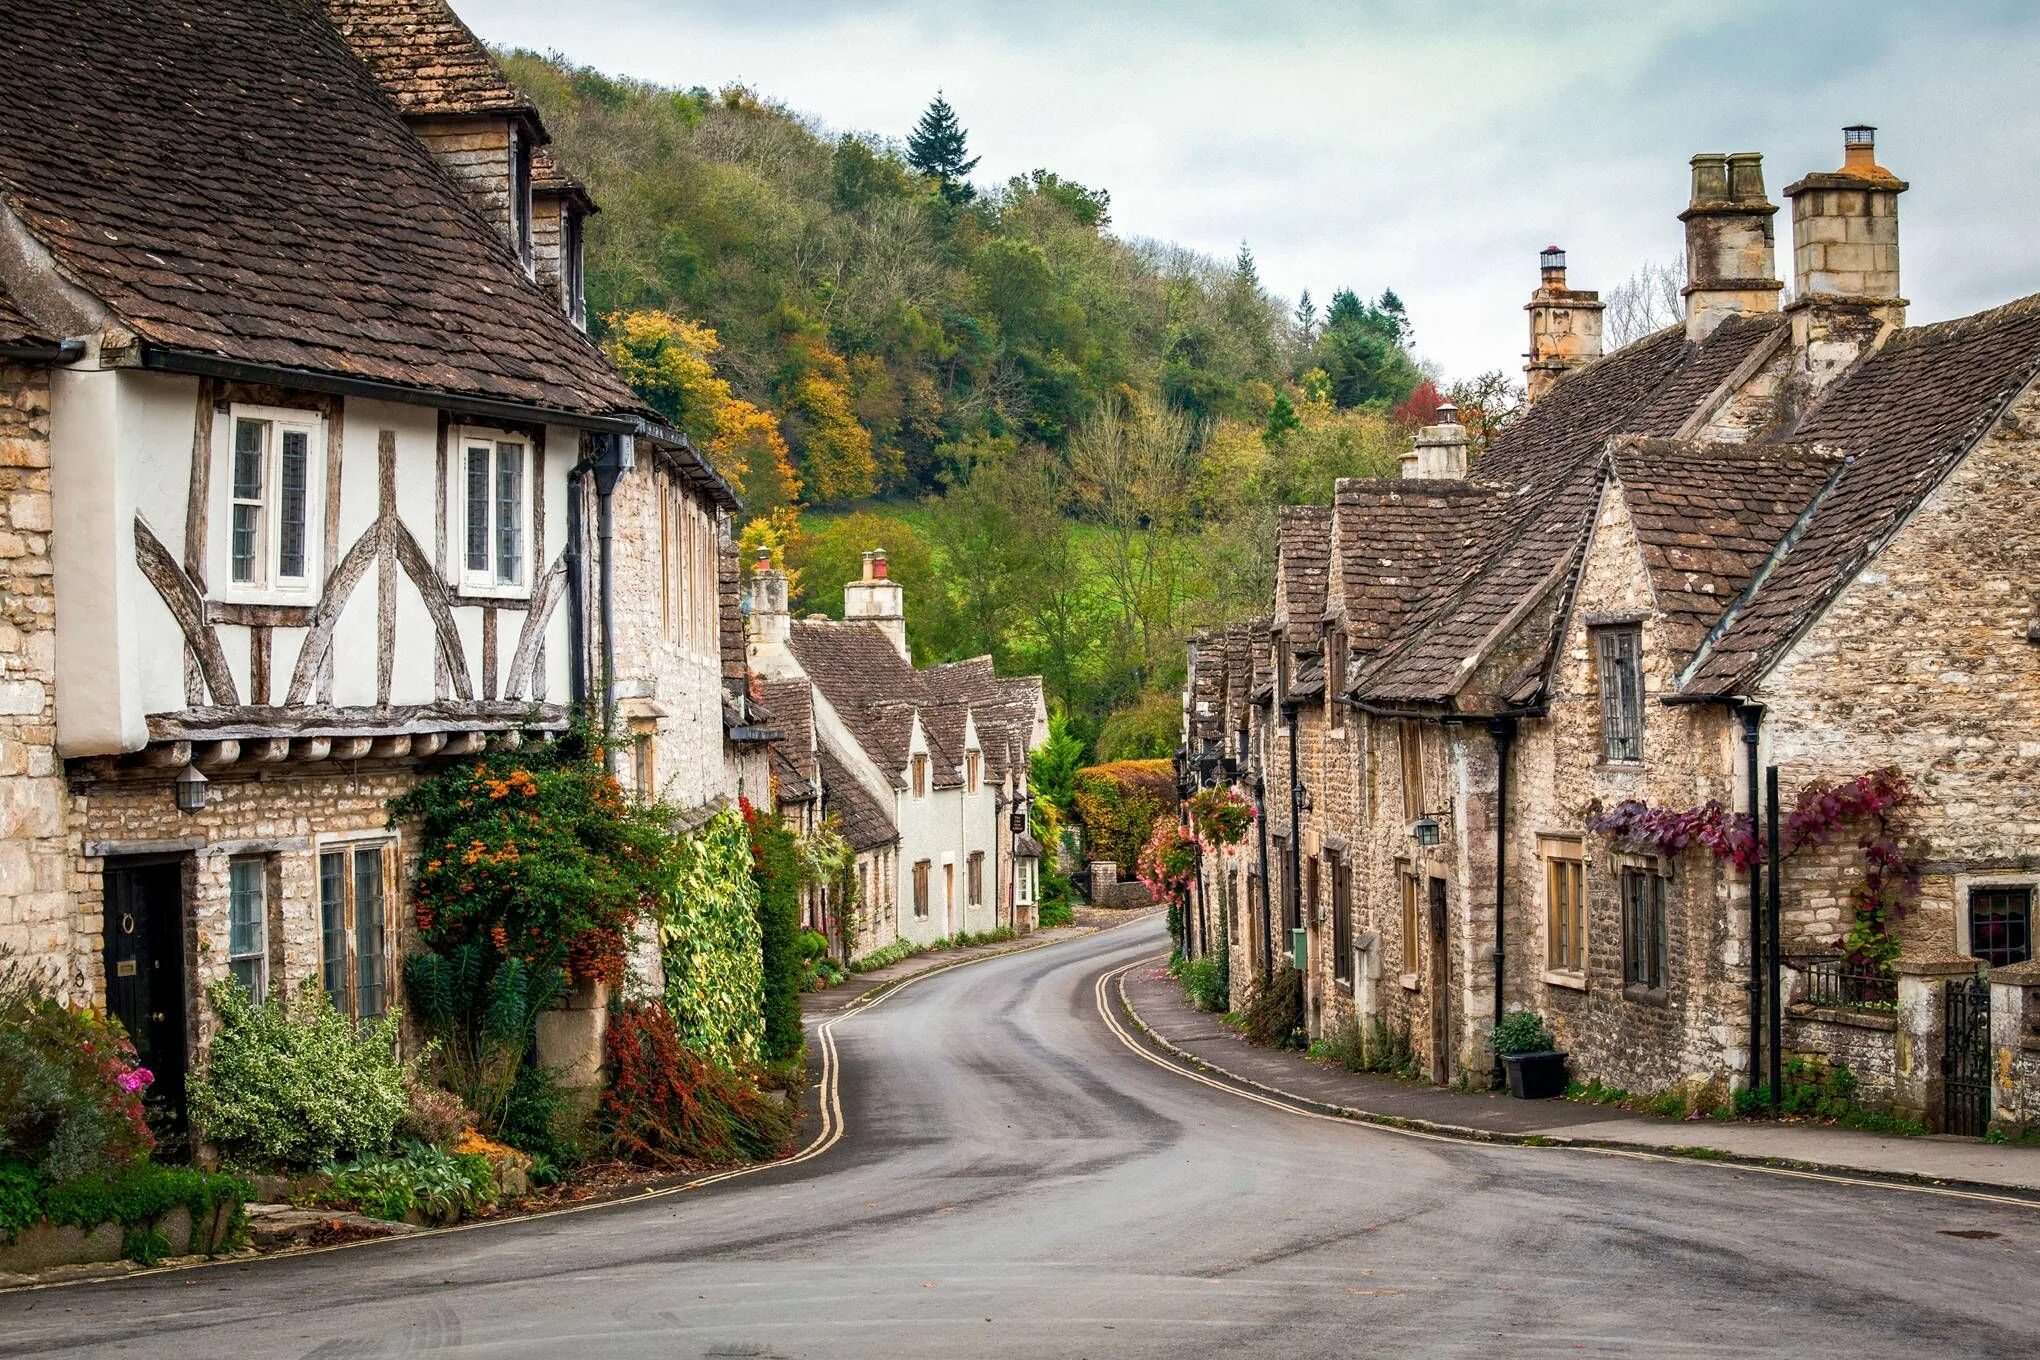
(1752, 720)
(60, 352)
(1267, 913)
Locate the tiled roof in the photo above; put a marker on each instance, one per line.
(793, 712)
(1401, 542)
(549, 177)
(17, 329)
(866, 825)
(1207, 688)
(1707, 515)
(1735, 342)
(1569, 423)
(1239, 672)
(857, 670)
(430, 62)
(1903, 416)
(232, 182)
(1303, 548)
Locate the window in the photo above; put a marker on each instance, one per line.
(921, 868)
(354, 928)
(1335, 678)
(494, 512)
(920, 776)
(644, 759)
(271, 472)
(977, 878)
(1410, 740)
(970, 771)
(1643, 929)
(1412, 924)
(573, 274)
(248, 923)
(1282, 665)
(1565, 905)
(1310, 888)
(2001, 925)
(1278, 864)
(1619, 652)
(1342, 919)
(520, 196)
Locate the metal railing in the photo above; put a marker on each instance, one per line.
(1829, 980)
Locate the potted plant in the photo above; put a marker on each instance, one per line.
(1526, 1048)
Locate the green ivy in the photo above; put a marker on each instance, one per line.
(781, 873)
(711, 944)
(136, 1199)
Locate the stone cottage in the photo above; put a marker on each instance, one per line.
(926, 767)
(312, 480)
(1796, 536)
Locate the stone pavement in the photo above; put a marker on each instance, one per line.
(1157, 1004)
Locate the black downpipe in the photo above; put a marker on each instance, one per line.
(1503, 730)
(1267, 907)
(577, 587)
(1752, 720)
(1777, 935)
(1292, 907)
(610, 465)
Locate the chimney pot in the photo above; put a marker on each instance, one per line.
(1710, 177)
(1746, 177)
(1565, 326)
(878, 569)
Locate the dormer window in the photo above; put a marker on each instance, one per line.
(573, 277)
(491, 513)
(273, 476)
(520, 197)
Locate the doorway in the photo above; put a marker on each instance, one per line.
(145, 980)
(1440, 987)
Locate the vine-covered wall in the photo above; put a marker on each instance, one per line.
(710, 943)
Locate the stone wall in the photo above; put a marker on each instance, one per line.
(36, 919)
(476, 152)
(1866, 1042)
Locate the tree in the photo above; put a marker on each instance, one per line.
(1361, 350)
(1306, 320)
(1486, 404)
(1646, 301)
(937, 146)
(1418, 408)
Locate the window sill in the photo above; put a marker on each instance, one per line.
(1559, 977)
(1646, 996)
(227, 597)
(1409, 982)
(1343, 984)
(467, 593)
(1622, 766)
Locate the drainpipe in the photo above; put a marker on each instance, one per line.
(1752, 721)
(577, 585)
(1503, 730)
(1294, 869)
(1777, 934)
(1267, 907)
(613, 458)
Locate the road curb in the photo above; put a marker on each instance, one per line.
(1470, 1134)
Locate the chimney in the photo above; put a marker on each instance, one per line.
(1565, 326)
(1439, 452)
(1844, 261)
(874, 597)
(769, 624)
(1731, 252)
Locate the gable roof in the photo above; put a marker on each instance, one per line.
(1400, 540)
(793, 755)
(235, 186)
(19, 331)
(432, 64)
(866, 825)
(1303, 558)
(1904, 415)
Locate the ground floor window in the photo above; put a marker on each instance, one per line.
(248, 923)
(1565, 897)
(1643, 929)
(1342, 919)
(977, 878)
(2001, 924)
(921, 871)
(354, 928)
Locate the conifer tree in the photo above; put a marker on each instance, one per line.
(936, 147)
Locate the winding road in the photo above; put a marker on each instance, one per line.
(1011, 1179)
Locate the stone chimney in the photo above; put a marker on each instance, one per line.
(1439, 452)
(1565, 326)
(1844, 261)
(1731, 253)
(769, 622)
(876, 598)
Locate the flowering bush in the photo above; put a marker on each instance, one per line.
(710, 942)
(1221, 816)
(297, 1087)
(668, 1105)
(70, 1090)
(1665, 831)
(538, 854)
(1168, 862)
(1119, 804)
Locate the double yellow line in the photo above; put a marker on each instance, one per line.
(1238, 1086)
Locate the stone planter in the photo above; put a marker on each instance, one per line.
(1535, 1076)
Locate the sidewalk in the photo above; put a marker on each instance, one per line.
(1155, 1002)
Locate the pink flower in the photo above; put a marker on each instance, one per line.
(134, 1079)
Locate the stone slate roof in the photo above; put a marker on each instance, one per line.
(231, 181)
(1570, 422)
(548, 177)
(430, 62)
(866, 825)
(1734, 345)
(1239, 672)
(1303, 556)
(1903, 416)
(793, 755)
(1708, 514)
(16, 328)
(1206, 689)
(1400, 542)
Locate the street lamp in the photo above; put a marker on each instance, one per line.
(1425, 829)
(191, 786)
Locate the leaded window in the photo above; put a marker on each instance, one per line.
(248, 923)
(354, 928)
(1619, 652)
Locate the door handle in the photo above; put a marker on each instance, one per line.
(156, 1017)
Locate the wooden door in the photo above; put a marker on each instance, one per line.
(1439, 985)
(144, 962)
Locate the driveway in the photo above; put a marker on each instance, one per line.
(1012, 1180)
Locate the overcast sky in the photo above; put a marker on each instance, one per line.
(1429, 148)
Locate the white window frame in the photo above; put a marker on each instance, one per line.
(488, 581)
(270, 585)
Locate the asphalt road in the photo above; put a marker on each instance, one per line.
(1012, 1181)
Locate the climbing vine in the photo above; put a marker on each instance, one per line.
(1877, 803)
(709, 941)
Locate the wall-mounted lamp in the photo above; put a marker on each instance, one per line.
(1425, 829)
(191, 786)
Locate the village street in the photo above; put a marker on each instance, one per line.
(1014, 1181)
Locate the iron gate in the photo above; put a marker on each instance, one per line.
(1965, 1063)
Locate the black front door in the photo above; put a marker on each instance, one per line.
(145, 979)
(1440, 986)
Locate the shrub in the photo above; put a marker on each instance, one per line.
(1119, 803)
(1521, 1032)
(1168, 864)
(546, 1121)
(1204, 984)
(1059, 913)
(437, 1186)
(433, 1116)
(1221, 816)
(70, 1092)
(668, 1105)
(137, 1197)
(777, 864)
(709, 940)
(1274, 1017)
(300, 1086)
(480, 1011)
(1375, 1045)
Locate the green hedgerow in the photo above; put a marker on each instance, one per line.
(298, 1086)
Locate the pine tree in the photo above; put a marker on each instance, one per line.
(1244, 271)
(1306, 317)
(936, 147)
